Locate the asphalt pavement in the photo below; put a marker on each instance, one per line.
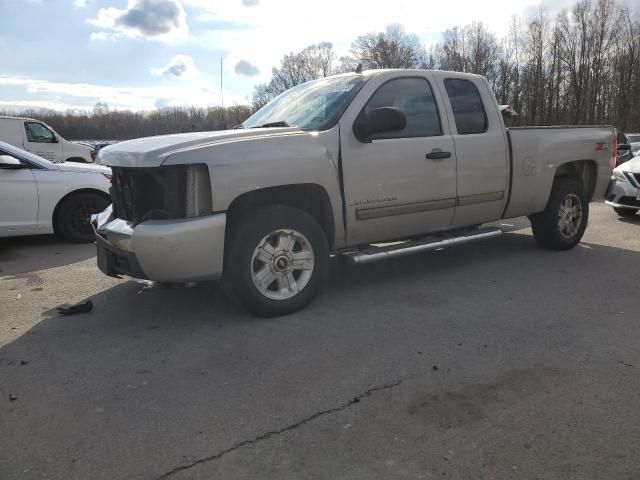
(495, 360)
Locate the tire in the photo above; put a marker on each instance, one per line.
(625, 212)
(556, 228)
(260, 266)
(73, 216)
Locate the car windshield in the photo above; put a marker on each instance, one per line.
(311, 106)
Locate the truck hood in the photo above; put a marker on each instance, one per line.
(153, 151)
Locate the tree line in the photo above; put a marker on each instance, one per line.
(105, 124)
(580, 66)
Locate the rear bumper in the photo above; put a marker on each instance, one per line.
(623, 195)
(179, 250)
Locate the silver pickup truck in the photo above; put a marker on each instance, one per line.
(369, 165)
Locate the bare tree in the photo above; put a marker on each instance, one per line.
(393, 48)
(315, 61)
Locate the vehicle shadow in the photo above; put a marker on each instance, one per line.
(148, 371)
(635, 220)
(40, 252)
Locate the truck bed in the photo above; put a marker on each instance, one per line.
(536, 153)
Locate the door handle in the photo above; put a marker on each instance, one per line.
(437, 154)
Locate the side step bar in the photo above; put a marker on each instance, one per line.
(375, 254)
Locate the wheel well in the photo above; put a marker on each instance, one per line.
(71, 194)
(309, 197)
(584, 171)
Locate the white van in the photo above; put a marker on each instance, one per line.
(40, 139)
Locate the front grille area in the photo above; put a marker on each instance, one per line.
(140, 194)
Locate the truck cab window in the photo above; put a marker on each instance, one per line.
(467, 106)
(38, 133)
(414, 97)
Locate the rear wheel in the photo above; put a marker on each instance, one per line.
(625, 212)
(74, 214)
(278, 260)
(563, 222)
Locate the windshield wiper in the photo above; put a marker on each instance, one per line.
(281, 123)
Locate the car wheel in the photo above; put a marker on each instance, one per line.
(277, 261)
(625, 212)
(563, 222)
(74, 214)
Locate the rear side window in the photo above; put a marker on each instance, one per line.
(468, 109)
(414, 97)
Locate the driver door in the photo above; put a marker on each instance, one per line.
(403, 183)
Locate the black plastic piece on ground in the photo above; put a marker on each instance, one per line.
(83, 307)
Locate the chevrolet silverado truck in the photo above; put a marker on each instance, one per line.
(370, 165)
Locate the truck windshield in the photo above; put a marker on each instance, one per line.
(311, 106)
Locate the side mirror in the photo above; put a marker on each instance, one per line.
(380, 120)
(8, 162)
(624, 146)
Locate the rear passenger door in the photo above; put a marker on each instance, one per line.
(481, 148)
(403, 183)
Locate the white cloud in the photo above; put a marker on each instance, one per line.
(278, 28)
(80, 3)
(181, 66)
(163, 20)
(61, 95)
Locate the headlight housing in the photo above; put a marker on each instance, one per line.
(618, 176)
(198, 194)
(161, 193)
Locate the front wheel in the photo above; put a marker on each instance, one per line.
(563, 222)
(625, 212)
(277, 261)
(73, 217)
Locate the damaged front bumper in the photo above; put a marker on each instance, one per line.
(177, 250)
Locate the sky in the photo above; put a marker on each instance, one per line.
(147, 54)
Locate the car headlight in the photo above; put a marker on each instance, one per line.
(618, 176)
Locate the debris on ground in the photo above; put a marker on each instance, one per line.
(83, 307)
(435, 368)
(12, 397)
(152, 285)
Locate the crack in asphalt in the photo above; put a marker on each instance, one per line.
(273, 433)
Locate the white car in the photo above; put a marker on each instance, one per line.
(40, 139)
(634, 141)
(38, 196)
(624, 190)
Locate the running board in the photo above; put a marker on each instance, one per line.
(375, 254)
